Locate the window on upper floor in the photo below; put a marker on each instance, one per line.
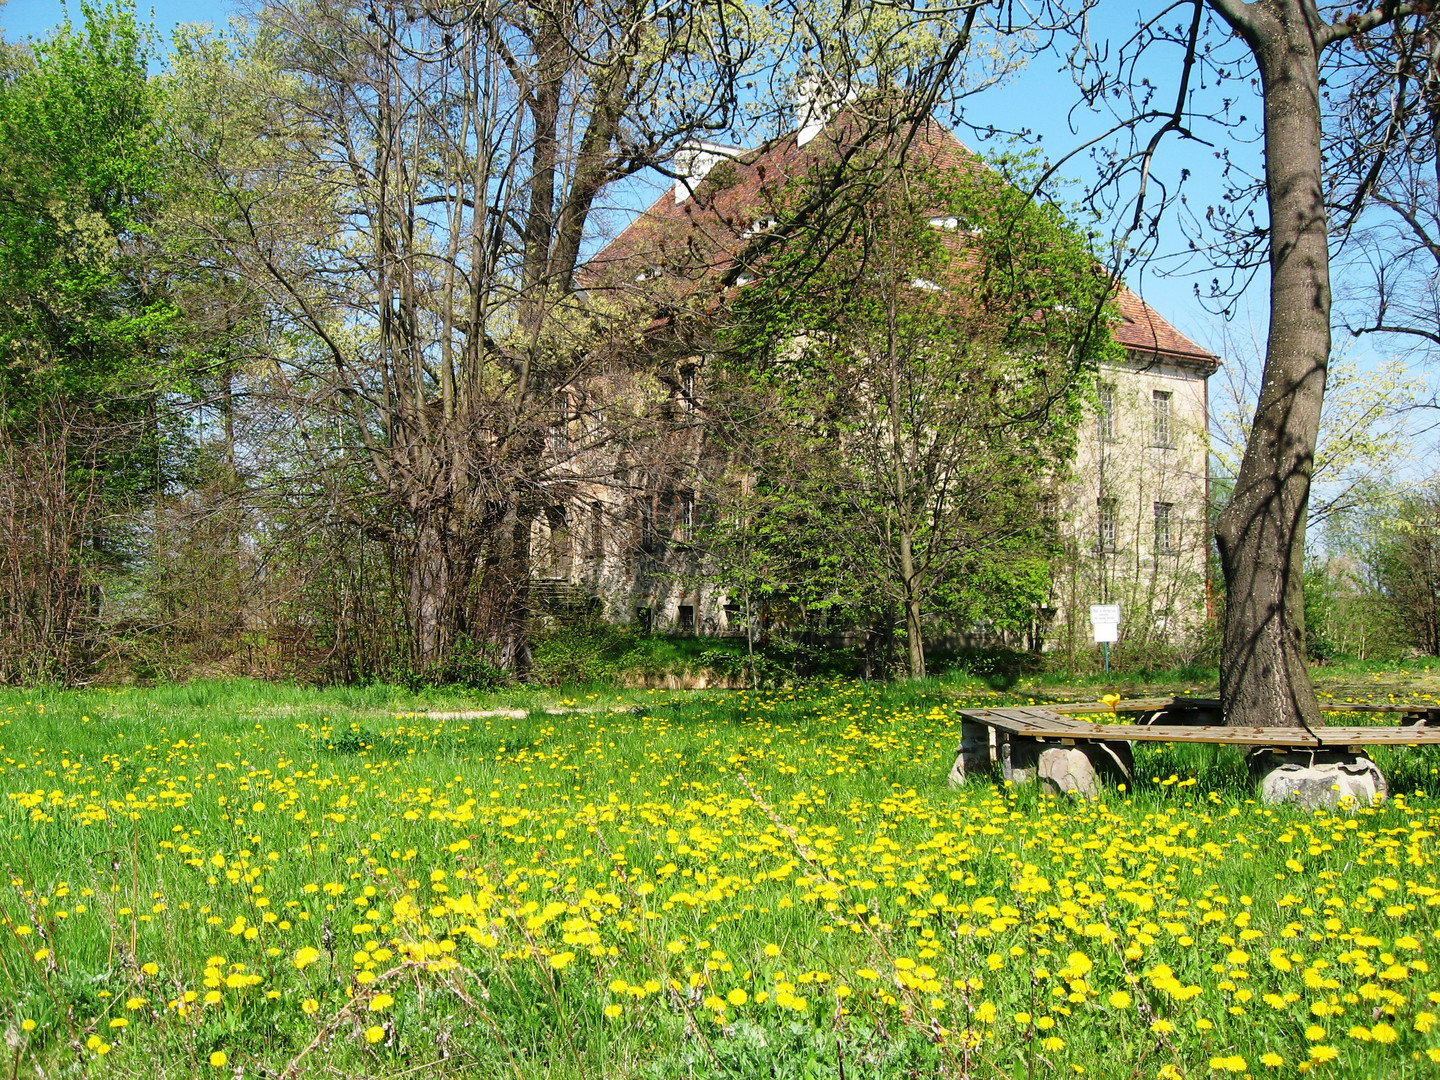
(1160, 408)
(1109, 520)
(597, 531)
(647, 523)
(1105, 413)
(687, 390)
(1164, 528)
(686, 531)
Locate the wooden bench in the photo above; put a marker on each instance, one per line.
(990, 737)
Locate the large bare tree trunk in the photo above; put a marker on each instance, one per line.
(1264, 678)
(438, 575)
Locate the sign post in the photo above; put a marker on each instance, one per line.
(1105, 622)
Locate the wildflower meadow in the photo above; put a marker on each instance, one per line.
(215, 880)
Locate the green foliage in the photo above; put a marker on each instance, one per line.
(779, 662)
(774, 801)
(1319, 607)
(79, 318)
(466, 666)
(903, 384)
(586, 651)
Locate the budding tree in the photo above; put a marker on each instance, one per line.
(410, 188)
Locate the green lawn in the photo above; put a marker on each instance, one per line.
(289, 881)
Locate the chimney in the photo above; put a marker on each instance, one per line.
(808, 112)
(816, 106)
(693, 162)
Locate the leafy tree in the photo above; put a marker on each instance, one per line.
(1399, 548)
(1287, 49)
(410, 191)
(79, 320)
(84, 325)
(1362, 430)
(905, 388)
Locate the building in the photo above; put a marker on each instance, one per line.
(1134, 509)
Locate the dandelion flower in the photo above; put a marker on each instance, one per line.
(374, 1034)
(218, 1059)
(306, 956)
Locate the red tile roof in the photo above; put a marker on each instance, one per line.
(1142, 330)
(699, 238)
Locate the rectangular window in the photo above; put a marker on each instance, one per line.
(1164, 528)
(597, 531)
(1105, 413)
(687, 518)
(687, 390)
(687, 617)
(1160, 401)
(647, 523)
(1109, 524)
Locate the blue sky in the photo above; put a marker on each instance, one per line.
(25, 18)
(1037, 99)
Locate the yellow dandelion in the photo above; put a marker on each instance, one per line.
(306, 956)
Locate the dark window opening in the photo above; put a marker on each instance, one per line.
(647, 524)
(687, 618)
(597, 530)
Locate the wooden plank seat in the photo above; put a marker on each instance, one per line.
(1063, 723)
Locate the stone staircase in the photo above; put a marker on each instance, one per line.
(559, 598)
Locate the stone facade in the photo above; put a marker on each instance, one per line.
(1134, 508)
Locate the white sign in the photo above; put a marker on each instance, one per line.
(1105, 621)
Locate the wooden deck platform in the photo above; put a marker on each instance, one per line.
(1196, 720)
